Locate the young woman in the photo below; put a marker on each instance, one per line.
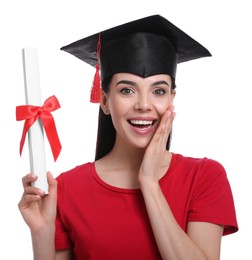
(137, 200)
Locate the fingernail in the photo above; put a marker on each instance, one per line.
(50, 174)
(34, 176)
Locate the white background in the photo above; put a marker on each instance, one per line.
(213, 102)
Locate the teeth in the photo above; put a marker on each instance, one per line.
(141, 122)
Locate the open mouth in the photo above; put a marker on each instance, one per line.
(142, 123)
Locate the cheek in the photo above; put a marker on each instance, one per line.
(116, 109)
(117, 105)
(162, 106)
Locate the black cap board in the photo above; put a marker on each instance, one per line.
(145, 47)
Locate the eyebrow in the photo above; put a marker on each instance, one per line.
(126, 82)
(161, 82)
(132, 83)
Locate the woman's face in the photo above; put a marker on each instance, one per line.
(136, 106)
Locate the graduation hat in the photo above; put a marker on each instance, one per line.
(145, 47)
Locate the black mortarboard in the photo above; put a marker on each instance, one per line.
(144, 47)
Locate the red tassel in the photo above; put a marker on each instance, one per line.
(96, 88)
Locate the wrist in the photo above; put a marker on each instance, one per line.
(43, 234)
(149, 184)
(43, 227)
(43, 243)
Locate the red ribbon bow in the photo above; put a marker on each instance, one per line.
(31, 114)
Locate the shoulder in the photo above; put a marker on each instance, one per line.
(75, 174)
(187, 160)
(74, 182)
(206, 176)
(195, 161)
(211, 198)
(199, 167)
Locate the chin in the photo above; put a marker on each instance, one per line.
(140, 144)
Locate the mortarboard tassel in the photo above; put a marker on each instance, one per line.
(96, 88)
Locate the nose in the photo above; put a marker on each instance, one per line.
(143, 103)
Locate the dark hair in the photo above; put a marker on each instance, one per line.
(106, 132)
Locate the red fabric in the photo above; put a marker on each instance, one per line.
(31, 114)
(100, 221)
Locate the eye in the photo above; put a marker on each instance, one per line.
(159, 92)
(126, 91)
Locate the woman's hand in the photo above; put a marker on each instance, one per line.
(38, 209)
(156, 152)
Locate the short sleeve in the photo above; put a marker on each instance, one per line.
(62, 240)
(212, 200)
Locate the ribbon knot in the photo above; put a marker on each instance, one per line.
(31, 114)
(40, 110)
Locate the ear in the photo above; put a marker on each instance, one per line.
(104, 103)
(173, 95)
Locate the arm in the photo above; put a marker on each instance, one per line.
(202, 240)
(39, 213)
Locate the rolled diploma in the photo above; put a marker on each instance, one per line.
(35, 133)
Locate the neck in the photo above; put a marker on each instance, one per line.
(120, 167)
(128, 156)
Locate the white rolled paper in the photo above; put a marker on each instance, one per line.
(35, 133)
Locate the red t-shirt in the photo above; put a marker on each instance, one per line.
(100, 221)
